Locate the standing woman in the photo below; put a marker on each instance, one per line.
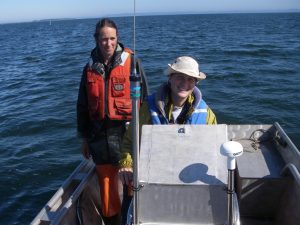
(103, 108)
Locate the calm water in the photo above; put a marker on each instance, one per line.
(252, 62)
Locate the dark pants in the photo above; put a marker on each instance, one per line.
(105, 148)
(127, 198)
(113, 220)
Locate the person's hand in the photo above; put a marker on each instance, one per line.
(126, 176)
(85, 150)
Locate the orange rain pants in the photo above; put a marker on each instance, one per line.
(109, 189)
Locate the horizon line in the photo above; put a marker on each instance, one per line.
(162, 14)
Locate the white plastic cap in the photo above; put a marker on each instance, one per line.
(231, 149)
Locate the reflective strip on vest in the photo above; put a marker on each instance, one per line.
(199, 115)
(154, 113)
(124, 57)
(200, 111)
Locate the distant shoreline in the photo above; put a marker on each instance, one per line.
(157, 14)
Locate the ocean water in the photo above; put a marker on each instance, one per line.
(252, 62)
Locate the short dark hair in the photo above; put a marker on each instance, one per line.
(105, 22)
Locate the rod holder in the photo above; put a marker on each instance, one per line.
(135, 93)
(231, 150)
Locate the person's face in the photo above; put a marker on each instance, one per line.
(107, 41)
(181, 85)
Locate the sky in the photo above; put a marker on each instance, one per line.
(28, 10)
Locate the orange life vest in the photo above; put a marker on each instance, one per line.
(116, 103)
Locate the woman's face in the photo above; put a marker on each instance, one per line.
(181, 85)
(107, 42)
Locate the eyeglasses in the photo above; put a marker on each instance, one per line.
(184, 78)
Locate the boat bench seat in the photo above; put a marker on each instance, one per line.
(183, 175)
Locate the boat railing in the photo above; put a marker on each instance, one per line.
(293, 170)
(64, 198)
(286, 147)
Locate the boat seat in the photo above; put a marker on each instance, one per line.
(183, 175)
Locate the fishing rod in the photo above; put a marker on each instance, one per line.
(135, 93)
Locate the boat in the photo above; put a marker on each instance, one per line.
(184, 179)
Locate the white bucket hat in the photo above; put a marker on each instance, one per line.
(186, 65)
